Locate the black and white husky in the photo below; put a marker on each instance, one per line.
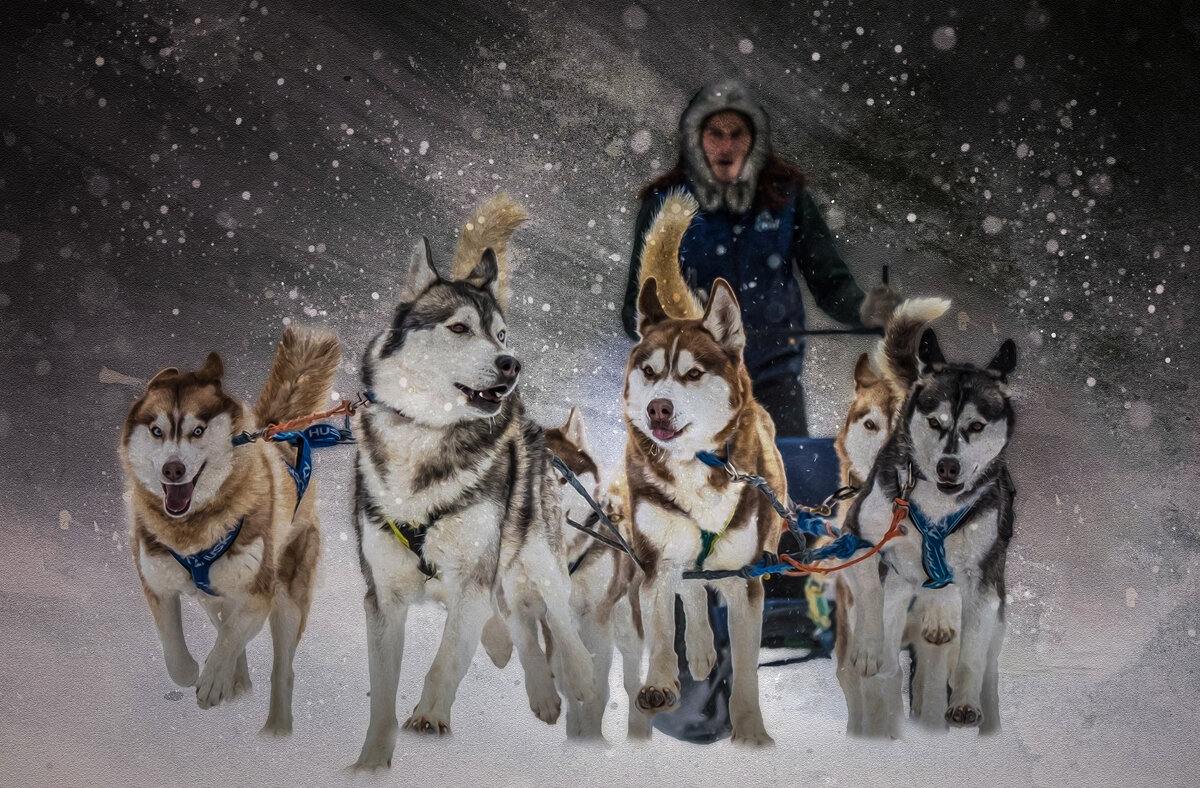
(455, 498)
(946, 457)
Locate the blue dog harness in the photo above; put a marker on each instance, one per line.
(199, 564)
(933, 542)
(317, 436)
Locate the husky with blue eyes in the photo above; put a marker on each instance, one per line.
(946, 457)
(455, 499)
(228, 526)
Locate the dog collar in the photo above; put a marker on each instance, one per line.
(199, 564)
(933, 542)
(373, 398)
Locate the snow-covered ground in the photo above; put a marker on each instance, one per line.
(182, 177)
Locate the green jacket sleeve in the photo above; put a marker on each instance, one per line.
(817, 258)
(629, 312)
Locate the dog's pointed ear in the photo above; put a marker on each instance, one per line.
(214, 367)
(650, 310)
(421, 273)
(573, 429)
(929, 351)
(723, 317)
(864, 374)
(1005, 360)
(169, 372)
(485, 275)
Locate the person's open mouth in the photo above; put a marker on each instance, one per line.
(177, 498)
(486, 400)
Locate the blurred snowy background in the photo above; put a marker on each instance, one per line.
(179, 177)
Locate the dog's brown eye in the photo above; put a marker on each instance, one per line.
(459, 328)
(156, 430)
(977, 426)
(615, 518)
(933, 422)
(648, 371)
(196, 433)
(694, 374)
(870, 425)
(501, 335)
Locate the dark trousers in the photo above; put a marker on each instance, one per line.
(783, 398)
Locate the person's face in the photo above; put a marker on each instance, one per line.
(726, 139)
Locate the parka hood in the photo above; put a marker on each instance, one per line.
(711, 193)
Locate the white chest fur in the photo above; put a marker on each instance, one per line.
(711, 509)
(229, 575)
(406, 445)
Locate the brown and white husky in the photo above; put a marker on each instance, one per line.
(603, 582)
(687, 390)
(223, 524)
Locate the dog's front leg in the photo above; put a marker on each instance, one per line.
(661, 689)
(240, 620)
(745, 601)
(468, 608)
(980, 620)
(698, 634)
(181, 667)
(386, 613)
(866, 648)
(936, 615)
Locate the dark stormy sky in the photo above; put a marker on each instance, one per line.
(179, 177)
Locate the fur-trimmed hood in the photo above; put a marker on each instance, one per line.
(711, 193)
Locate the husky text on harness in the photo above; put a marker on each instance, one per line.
(317, 436)
(198, 564)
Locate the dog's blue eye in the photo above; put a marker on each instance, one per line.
(156, 431)
(196, 433)
(501, 335)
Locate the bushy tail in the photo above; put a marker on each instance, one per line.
(660, 256)
(896, 354)
(489, 227)
(300, 378)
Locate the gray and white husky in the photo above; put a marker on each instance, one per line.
(454, 495)
(946, 456)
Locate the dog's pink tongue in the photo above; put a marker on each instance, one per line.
(663, 435)
(178, 496)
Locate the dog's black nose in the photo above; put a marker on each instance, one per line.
(509, 367)
(660, 410)
(947, 469)
(173, 471)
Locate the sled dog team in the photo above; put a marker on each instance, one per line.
(455, 500)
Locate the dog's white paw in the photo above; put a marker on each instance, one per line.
(580, 678)
(219, 684)
(428, 724)
(751, 733)
(277, 728)
(701, 659)
(183, 670)
(653, 699)
(937, 628)
(544, 702)
(376, 751)
(866, 655)
(964, 715)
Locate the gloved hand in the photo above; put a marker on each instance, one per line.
(878, 306)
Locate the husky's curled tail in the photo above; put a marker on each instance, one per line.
(300, 378)
(896, 354)
(660, 256)
(489, 227)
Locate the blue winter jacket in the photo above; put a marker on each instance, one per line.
(758, 253)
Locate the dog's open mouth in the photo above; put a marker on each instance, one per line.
(486, 400)
(177, 498)
(666, 434)
(949, 488)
